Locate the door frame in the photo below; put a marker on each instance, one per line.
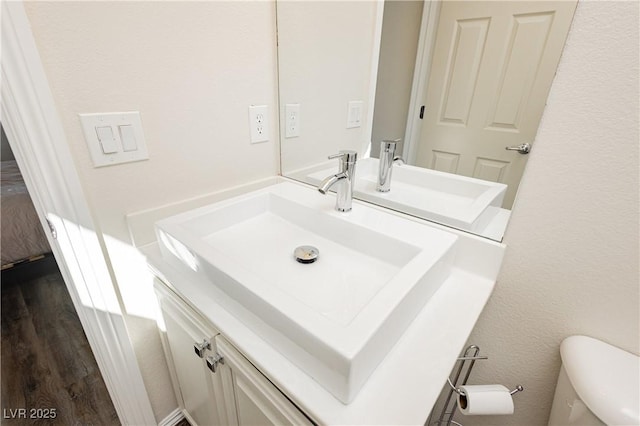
(426, 42)
(39, 144)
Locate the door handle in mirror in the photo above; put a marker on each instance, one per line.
(524, 148)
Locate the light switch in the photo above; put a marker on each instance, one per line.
(114, 137)
(107, 141)
(128, 138)
(354, 114)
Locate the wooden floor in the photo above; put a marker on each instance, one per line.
(48, 369)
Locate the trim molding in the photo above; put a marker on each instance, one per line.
(430, 16)
(172, 419)
(37, 139)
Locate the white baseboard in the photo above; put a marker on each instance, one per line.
(173, 418)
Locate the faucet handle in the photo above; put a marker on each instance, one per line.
(345, 155)
(389, 145)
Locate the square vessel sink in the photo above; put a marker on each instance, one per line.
(335, 318)
(459, 201)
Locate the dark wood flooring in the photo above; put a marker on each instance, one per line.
(49, 374)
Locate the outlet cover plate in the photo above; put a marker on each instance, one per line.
(292, 120)
(259, 123)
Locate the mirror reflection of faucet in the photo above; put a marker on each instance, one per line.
(387, 160)
(343, 180)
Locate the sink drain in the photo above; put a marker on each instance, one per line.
(306, 254)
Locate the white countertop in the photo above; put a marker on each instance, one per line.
(406, 384)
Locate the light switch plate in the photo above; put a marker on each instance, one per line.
(127, 124)
(259, 123)
(354, 114)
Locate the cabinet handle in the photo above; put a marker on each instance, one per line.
(212, 361)
(200, 348)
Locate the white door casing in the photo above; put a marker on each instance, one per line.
(38, 142)
(491, 71)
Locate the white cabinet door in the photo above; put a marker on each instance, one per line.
(250, 398)
(198, 390)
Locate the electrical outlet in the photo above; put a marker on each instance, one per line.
(258, 123)
(292, 121)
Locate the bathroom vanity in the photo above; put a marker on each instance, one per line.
(214, 382)
(366, 335)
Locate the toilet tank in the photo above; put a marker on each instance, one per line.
(599, 384)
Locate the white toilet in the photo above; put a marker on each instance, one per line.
(598, 384)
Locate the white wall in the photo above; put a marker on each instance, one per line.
(571, 265)
(398, 48)
(325, 61)
(191, 69)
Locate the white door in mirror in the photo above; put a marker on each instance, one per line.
(498, 62)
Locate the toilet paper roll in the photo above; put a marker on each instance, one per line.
(482, 400)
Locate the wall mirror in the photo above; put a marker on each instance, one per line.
(460, 86)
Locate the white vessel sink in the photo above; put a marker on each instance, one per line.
(458, 201)
(340, 314)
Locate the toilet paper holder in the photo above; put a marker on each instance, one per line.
(459, 391)
(468, 359)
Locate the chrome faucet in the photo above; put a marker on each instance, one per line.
(387, 160)
(343, 180)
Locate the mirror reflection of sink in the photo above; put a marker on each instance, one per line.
(344, 312)
(462, 202)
